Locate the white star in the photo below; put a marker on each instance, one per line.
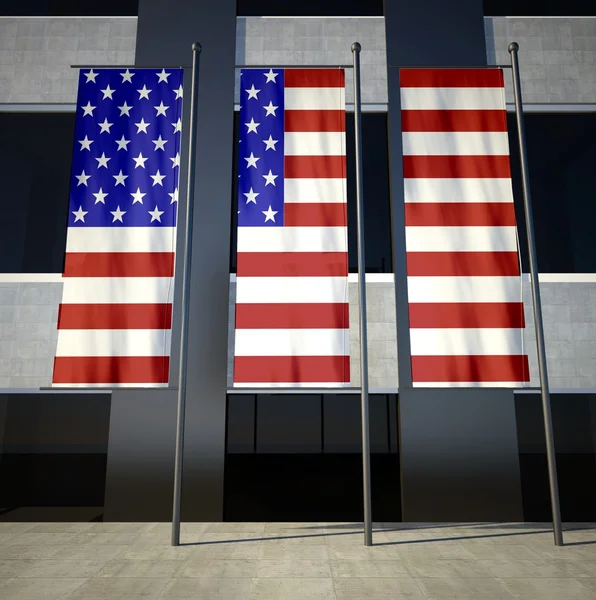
(140, 160)
(107, 93)
(86, 143)
(102, 161)
(174, 196)
(127, 76)
(271, 76)
(178, 93)
(175, 161)
(159, 143)
(142, 126)
(177, 126)
(125, 109)
(252, 161)
(118, 214)
(138, 196)
(122, 143)
(252, 126)
(82, 178)
(269, 214)
(251, 196)
(144, 92)
(157, 178)
(252, 93)
(100, 197)
(105, 126)
(270, 109)
(80, 214)
(270, 143)
(119, 178)
(163, 76)
(270, 178)
(161, 109)
(88, 110)
(90, 76)
(155, 214)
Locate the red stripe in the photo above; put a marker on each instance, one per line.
(462, 264)
(292, 369)
(460, 214)
(292, 316)
(314, 120)
(115, 316)
(316, 214)
(484, 369)
(111, 369)
(314, 78)
(292, 264)
(325, 167)
(119, 264)
(457, 166)
(453, 120)
(466, 315)
(445, 78)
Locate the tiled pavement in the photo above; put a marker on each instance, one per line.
(294, 561)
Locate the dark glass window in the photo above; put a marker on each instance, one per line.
(561, 157)
(376, 194)
(241, 424)
(310, 8)
(545, 8)
(35, 163)
(71, 8)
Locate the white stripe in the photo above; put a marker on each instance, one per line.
(291, 289)
(314, 190)
(461, 239)
(464, 289)
(292, 342)
(455, 143)
(452, 98)
(121, 239)
(318, 98)
(116, 290)
(292, 239)
(113, 342)
(315, 143)
(458, 190)
(472, 384)
(466, 342)
(297, 384)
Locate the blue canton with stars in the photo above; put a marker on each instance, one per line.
(261, 149)
(126, 157)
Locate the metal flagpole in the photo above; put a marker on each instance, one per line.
(196, 50)
(356, 48)
(548, 425)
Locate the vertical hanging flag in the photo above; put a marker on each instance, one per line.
(115, 318)
(464, 287)
(292, 305)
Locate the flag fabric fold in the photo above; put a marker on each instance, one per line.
(464, 288)
(115, 318)
(292, 305)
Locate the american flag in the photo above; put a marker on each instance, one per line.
(292, 327)
(464, 287)
(115, 318)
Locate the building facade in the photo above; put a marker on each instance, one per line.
(437, 454)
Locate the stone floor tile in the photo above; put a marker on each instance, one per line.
(9, 527)
(548, 589)
(215, 568)
(13, 567)
(305, 552)
(431, 550)
(575, 552)
(246, 550)
(5, 536)
(53, 568)
(151, 550)
(254, 528)
(299, 588)
(292, 568)
(522, 568)
(89, 551)
(444, 567)
(356, 588)
(40, 539)
(368, 568)
(590, 583)
(22, 552)
(496, 551)
(60, 527)
(122, 527)
(39, 589)
(159, 569)
(207, 589)
(98, 538)
(119, 588)
(577, 568)
(464, 589)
